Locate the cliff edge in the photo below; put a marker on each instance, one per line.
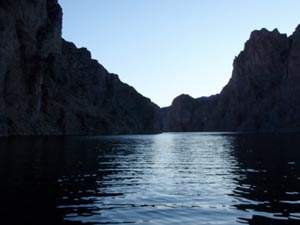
(50, 87)
(262, 94)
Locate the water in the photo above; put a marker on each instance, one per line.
(183, 178)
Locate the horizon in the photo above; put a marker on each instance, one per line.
(165, 49)
(79, 146)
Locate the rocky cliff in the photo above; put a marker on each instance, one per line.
(262, 94)
(48, 86)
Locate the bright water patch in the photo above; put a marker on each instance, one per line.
(171, 178)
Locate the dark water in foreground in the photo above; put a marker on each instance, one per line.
(190, 178)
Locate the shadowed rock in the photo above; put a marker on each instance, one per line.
(48, 86)
(262, 94)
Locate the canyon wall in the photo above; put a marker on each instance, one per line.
(50, 87)
(262, 94)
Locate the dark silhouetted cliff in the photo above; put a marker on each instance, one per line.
(262, 94)
(48, 86)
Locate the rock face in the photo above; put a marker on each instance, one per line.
(262, 94)
(48, 86)
(188, 114)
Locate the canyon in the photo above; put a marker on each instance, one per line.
(48, 86)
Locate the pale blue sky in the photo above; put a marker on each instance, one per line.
(168, 47)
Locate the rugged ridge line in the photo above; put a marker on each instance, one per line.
(262, 94)
(50, 87)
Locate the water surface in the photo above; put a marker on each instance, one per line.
(171, 178)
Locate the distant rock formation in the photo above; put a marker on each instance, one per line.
(50, 87)
(187, 113)
(262, 94)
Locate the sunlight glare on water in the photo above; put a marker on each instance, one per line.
(171, 178)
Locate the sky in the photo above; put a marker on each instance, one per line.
(164, 48)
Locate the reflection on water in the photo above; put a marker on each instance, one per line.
(269, 178)
(183, 178)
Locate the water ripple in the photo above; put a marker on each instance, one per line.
(190, 178)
